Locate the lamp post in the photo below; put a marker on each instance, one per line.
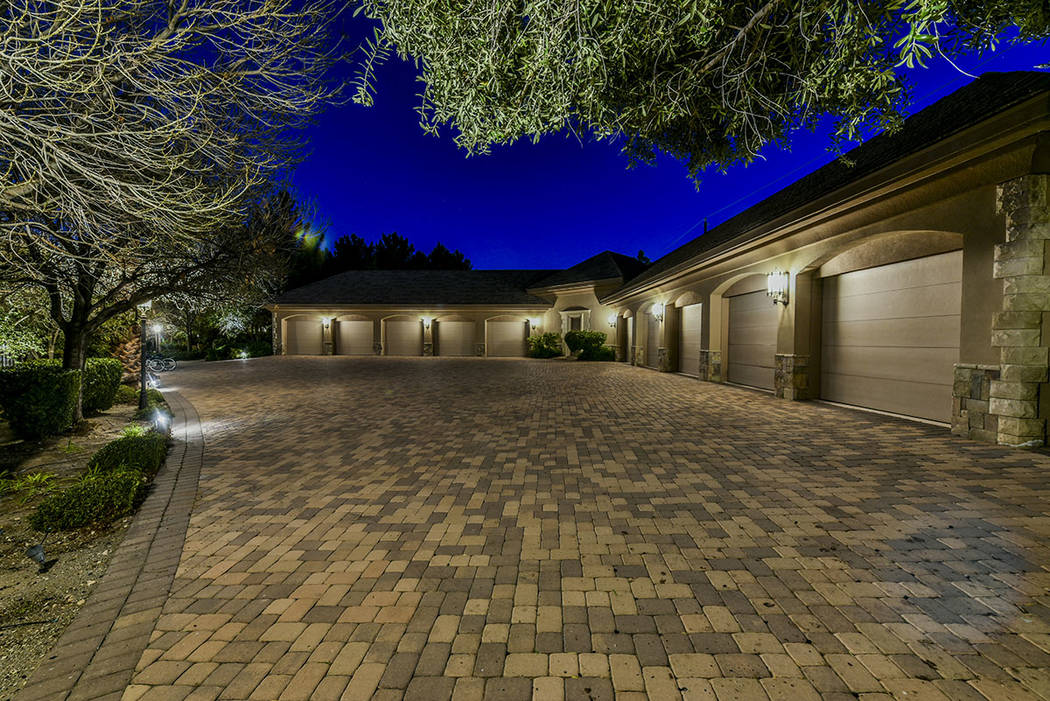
(143, 311)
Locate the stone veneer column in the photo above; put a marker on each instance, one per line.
(970, 402)
(791, 376)
(1021, 330)
(711, 365)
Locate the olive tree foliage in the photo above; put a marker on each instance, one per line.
(709, 82)
(135, 137)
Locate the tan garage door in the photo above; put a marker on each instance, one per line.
(753, 320)
(506, 339)
(302, 337)
(404, 337)
(353, 337)
(652, 341)
(455, 338)
(689, 340)
(890, 336)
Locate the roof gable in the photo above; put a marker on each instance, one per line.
(607, 265)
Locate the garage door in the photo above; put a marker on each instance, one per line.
(689, 340)
(652, 341)
(404, 338)
(506, 339)
(455, 338)
(753, 320)
(890, 336)
(353, 337)
(302, 337)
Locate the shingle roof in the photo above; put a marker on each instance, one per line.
(982, 98)
(420, 287)
(604, 266)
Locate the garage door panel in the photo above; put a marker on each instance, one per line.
(930, 300)
(923, 400)
(919, 272)
(652, 344)
(404, 338)
(919, 332)
(303, 337)
(506, 339)
(753, 320)
(689, 340)
(354, 337)
(455, 338)
(890, 336)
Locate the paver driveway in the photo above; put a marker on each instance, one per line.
(435, 528)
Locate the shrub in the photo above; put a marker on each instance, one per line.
(126, 394)
(183, 354)
(600, 353)
(547, 345)
(39, 398)
(586, 344)
(99, 500)
(143, 453)
(101, 383)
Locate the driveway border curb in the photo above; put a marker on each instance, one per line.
(96, 655)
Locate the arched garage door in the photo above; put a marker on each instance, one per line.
(455, 338)
(353, 337)
(302, 336)
(890, 336)
(506, 339)
(404, 337)
(753, 320)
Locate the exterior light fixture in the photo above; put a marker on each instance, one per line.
(144, 308)
(658, 312)
(243, 355)
(426, 322)
(156, 329)
(534, 322)
(160, 420)
(37, 555)
(325, 321)
(777, 286)
(612, 320)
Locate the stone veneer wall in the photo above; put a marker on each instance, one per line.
(664, 360)
(790, 376)
(971, 392)
(1021, 329)
(711, 365)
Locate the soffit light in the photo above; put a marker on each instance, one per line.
(777, 283)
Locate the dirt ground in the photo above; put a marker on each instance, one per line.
(35, 608)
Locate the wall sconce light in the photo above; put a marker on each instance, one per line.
(426, 322)
(325, 321)
(658, 312)
(777, 286)
(534, 322)
(612, 320)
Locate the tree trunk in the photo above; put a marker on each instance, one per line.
(74, 356)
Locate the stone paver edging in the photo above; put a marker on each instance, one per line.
(96, 655)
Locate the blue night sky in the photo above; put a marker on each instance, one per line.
(552, 204)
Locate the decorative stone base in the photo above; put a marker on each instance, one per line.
(971, 392)
(329, 348)
(664, 360)
(428, 349)
(638, 356)
(620, 357)
(377, 348)
(791, 376)
(479, 350)
(711, 365)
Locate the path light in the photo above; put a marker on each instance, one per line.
(160, 419)
(612, 320)
(143, 308)
(243, 355)
(658, 312)
(426, 321)
(777, 286)
(36, 554)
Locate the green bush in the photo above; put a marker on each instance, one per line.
(126, 394)
(101, 382)
(99, 499)
(599, 353)
(586, 344)
(143, 453)
(183, 354)
(39, 398)
(547, 345)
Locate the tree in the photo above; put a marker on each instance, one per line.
(441, 258)
(138, 144)
(709, 82)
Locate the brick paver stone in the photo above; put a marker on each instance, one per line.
(444, 528)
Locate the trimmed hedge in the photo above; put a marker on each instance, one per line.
(126, 394)
(96, 500)
(101, 382)
(589, 345)
(603, 353)
(143, 453)
(547, 345)
(39, 398)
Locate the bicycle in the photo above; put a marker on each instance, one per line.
(157, 363)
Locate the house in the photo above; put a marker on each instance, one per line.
(911, 281)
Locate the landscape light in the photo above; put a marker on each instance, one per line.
(243, 355)
(36, 554)
(777, 286)
(160, 419)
